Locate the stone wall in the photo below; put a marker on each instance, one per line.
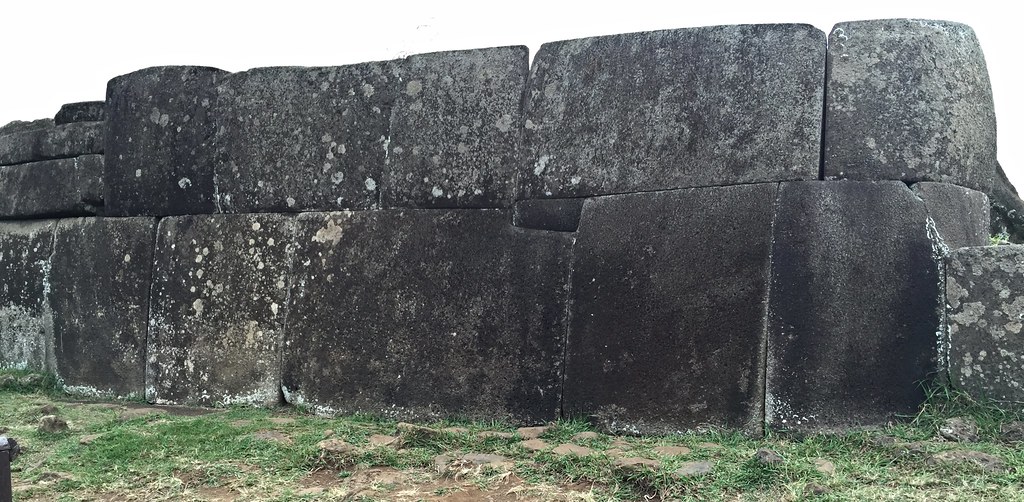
(732, 226)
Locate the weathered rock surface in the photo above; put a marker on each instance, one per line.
(26, 321)
(427, 313)
(62, 187)
(985, 315)
(1007, 208)
(57, 142)
(560, 215)
(672, 109)
(99, 293)
(85, 111)
(854, 306)
(218, 308)
(960, 429)
(455, 129)
(961, 215)
(159, 150)
(668, 293)
(25, 125)
(909, 100)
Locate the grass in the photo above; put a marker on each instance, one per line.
(218, 455)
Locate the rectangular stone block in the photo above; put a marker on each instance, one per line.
(26, 321)
(57, 142)
(455, 129)
(25, 125)
(426, 314)
(960, 215)
(99, 293)
(85, 111)
(985, 313)
(321, 132)
(61, 187)
(218, 309)
(693, 107)
(910, 100)
(854, 306)
(668, 306)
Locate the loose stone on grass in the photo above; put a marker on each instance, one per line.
(815, 489)
(984, 461)
(693, 469)
(1012, 432)
(636, 464)
(533, 432)
(486, 459)
(768, 457)
(52, 424)
(824, 466)
(494, 434)
(585, 436)
(455, 430)
(571, 449)
(671, 451)
(535, 445)
(959, 429)
(382, 440)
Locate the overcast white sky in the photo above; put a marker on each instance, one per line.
(56, 52)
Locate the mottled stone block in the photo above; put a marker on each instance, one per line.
(455, 129)
(159, 150)
(218, 309)
(854, 305)
(100, 276)
(669, 109)
(668, 309)
(62, 187)
(57, 142)
(321, 132)
(26, 321)
(25, 125)
(985, 313)
(560, 215)
(961, 215)
(909, 100)
(85, 111)
(427, 313)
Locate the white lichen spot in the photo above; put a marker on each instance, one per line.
(462, 148)
(436, 192)
(575, 180)
(271, 241)
(413, 87)
(337, 177)
(273, 308)
(138, 173)
(504, 123)
(529, 125)
(541, 165)
(371, 184)
(331, 232)
(127, 258)
(199, 273)
(199, 258)
(368, 90)
(206, 251)
(290, 201)
(255, 225)
(197, 306)
(326, 138)
(280, 284)
(184, 183)
(154, 115)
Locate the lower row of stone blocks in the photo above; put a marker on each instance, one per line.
(804, 305)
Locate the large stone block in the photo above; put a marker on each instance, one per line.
(85, 111)
(854, 305)
(25, 125)
(427, 313)
(100, 278)
(57, 142)
(26, 321)
(159, 150)
(909, 100)
(321, 132)
(668, 309)
(218, 308)
(985, 314)
(961, 215)
(455, 129)
(62, 187)
(672, 109)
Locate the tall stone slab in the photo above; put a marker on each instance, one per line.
(159, 150)
(218, 309)
(909, 100)
(960, 215)
(668, 306)
(669, 109)
(322, 134)
(57, 142)
(985, 314)
(455, 129)
(100, 282)
(426, 314)
(854, 305)
(62, 187)
(26, 321)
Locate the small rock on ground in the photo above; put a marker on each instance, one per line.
(494, 434)
(532, 432)
(485, 459)
(413, 432)
(336, 446)
(1012, 432)
(959, 429)
(455, 430)
(671, 451)
(441, 463)
(52, 424)
(634, 464)
(691, 469)
(571, 449)
(535, 445)
(328, 433)
(767, 457)
(815, 489)
(382, 440)
(986, 462)
(824, 466)
(585, 436)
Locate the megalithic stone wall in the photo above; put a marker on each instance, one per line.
(655, 231)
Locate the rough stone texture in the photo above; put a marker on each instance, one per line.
(560, 215)
(322, 135)
(961, 215)
(694, 107)
(100, 277)
(427, 313)
(85, 111)
(62, 187)
(218, 309)
(25, 125)
(455, 129)
(909, 100)
(985, 313)
(57, 142)
(26, 322)
(854, 305)
(159, 141)
(1007, 209)
(667, 309)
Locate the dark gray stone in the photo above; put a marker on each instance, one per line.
(26, 321)
(427, 313)
(854, 306)
(1007, 209)
(218, 309)
(985, 314)
(455, 129)
(960, 214)
(668, 309)
(159, 141)
(682, 108)
(560, 215)
(85, 111)
(62, 187)
(57, 142)
(909, 100)
(321, 132)
(23, 125)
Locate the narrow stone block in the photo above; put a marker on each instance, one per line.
(25, 125)
(85, 111)
(62, 187)
(26, 321)
(961, 215)
(57, 142)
